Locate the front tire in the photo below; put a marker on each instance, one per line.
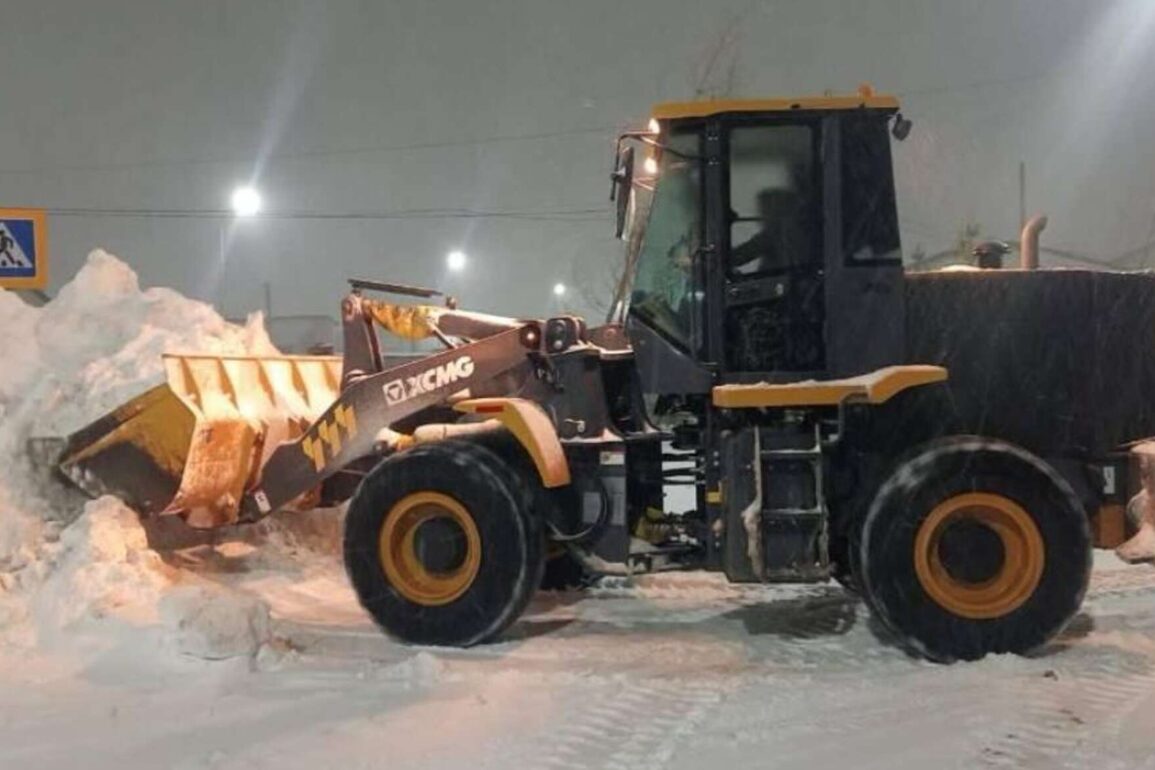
(975, 546)
(441, 545)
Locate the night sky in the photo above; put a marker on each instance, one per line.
(417, 128)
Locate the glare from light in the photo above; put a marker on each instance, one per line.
(246, 202)
(650, 166)
(456, 260)
(559, 289)
(655, 126)
(1093, 97)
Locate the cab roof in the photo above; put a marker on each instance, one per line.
(703, 109)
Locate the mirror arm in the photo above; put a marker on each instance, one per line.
(648, 139)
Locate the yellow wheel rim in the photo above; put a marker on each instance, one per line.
(1014, 580)
(404, 562)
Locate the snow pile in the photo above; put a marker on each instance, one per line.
(104, 589)
(97, 344)
(20, 532)
(101, 568)
(419, 671)
(212, 623)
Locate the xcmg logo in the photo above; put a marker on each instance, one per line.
(429, 380)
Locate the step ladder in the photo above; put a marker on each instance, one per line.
(813, 457)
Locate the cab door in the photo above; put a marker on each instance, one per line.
(772, 250)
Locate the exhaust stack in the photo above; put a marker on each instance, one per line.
(1029, 242)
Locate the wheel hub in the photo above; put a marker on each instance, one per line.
(979, 556)
(970, 551)
(430, 548)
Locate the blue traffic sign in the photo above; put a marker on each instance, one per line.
(23, 249)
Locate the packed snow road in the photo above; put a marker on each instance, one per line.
(676, 671)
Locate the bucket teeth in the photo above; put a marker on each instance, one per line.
(216, 472)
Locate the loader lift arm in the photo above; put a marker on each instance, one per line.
(349, 429)
(362, 355)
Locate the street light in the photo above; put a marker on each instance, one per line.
(246, 201)
(456, 260)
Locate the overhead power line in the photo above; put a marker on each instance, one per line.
(545, 215)
(530, 136)
(976, 84)
(316, 154)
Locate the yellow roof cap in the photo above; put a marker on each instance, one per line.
(702, 109)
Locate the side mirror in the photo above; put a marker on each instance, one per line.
(622, 186)
(901, 128)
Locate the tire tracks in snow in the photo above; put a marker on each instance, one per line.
(634, 725)
(1062, 710)
(805, 627)
(1136, 579)
(1100, 676)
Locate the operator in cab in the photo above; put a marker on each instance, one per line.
(786, 238)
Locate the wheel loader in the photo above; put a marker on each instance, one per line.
(949, 445)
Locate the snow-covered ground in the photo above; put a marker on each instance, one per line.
(676, 671)
(248, 650)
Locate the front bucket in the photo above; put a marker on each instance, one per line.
(136, 452)
(196, 443)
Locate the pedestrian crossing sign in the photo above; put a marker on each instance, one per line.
(23, 249)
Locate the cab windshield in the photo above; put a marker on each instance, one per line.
(664, 243)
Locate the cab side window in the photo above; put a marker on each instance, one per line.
(774, 199)
(869, 218)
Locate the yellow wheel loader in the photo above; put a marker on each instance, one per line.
(945, 444)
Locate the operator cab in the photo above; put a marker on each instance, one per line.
(763, 241)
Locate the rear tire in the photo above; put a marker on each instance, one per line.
(975, 546)
(441, 545)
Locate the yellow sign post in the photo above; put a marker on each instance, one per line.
(23, 249)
